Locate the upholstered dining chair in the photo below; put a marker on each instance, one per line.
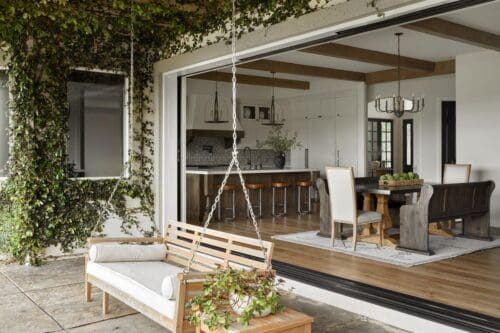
(456, 173)
(343, 207)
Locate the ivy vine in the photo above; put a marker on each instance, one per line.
(43, 41)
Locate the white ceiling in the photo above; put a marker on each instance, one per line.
(413, 44)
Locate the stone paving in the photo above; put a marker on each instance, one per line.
(50, 298)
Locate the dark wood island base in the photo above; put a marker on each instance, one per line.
(202, 185)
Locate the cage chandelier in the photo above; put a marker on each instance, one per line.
(396, 104)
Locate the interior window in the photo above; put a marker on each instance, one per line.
(96, 124)
(380, 144)
(4, 123)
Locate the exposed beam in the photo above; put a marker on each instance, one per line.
(254, 80)
(297, 69)
(369, 56)
(457, 32)
(441, 68)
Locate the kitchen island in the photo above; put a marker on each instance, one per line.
(202, 185)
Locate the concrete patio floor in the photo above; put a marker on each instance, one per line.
(50, 298)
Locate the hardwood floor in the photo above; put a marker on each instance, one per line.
(471, 282)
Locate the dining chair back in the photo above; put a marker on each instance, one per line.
(456, 173)
(343, 207)
(342, 194)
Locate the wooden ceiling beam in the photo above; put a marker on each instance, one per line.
(369, 56)
(441, 68)
(457, 32)
(297, 69)
(254, 80)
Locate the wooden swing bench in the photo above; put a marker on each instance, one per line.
(138, 284)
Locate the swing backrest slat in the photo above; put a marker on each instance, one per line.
(217, 248)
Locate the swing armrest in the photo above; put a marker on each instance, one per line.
(96, 240)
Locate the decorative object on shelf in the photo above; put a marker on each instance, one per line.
(400, 179)
(273, 121)
(249, 112)
(280, 141)
(216, 114)
(398, 104)
(235, 295)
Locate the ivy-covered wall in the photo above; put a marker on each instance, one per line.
(40, 204)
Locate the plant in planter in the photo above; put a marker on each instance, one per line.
(234, 294)
(280, 141)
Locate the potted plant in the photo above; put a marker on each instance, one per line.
(280, 141)
(234, 294)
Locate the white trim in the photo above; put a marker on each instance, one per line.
(98, 70)
(96, 178)
(375, 312)
(183, 149)
(169, 176)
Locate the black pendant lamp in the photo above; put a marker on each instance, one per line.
(216, 115)
(272, 111)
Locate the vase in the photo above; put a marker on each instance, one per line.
(240, 303)
(279, 160)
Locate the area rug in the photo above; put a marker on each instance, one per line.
(443, 248)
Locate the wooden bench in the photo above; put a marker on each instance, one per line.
(217, 248)
(468, 201)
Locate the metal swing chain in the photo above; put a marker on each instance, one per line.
(234, 161)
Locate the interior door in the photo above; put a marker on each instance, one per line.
(448, 133)
(346, 131)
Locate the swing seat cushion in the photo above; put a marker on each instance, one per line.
(115, 252)
(141, 281)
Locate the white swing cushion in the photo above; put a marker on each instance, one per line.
(169, 287)
(116, 252)
(141, 281)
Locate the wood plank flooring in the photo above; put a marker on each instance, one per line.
(470, 282)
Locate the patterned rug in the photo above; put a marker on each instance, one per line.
(443, 248)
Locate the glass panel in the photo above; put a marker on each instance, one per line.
(408, 144)
(95, 145)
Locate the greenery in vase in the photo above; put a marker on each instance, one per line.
(281, 140)
(224, 288)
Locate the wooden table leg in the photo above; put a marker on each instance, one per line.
(367, 206)
(383, 208)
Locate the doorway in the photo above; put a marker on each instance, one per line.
(448, 133)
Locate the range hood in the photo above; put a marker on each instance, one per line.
(195, 120)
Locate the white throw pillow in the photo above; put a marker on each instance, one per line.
(169, 287)
(115, 252)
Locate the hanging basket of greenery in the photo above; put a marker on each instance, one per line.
(235, 295)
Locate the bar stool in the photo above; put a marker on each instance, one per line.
(301, 184)
(254, 187)
(227, 188)
(284, 186)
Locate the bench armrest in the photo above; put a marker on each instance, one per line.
(96, 240)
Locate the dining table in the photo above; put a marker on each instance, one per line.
(382, 193)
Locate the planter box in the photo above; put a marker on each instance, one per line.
(405, 182)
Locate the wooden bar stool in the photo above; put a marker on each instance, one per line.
(284, 186)
(254, 187)
(304, 184)
(227, 188)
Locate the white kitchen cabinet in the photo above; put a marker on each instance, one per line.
(327, 129)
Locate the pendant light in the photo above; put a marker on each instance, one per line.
(398, 104)
(272, 111)
(215, 114)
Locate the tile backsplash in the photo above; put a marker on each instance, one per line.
(211, 151)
